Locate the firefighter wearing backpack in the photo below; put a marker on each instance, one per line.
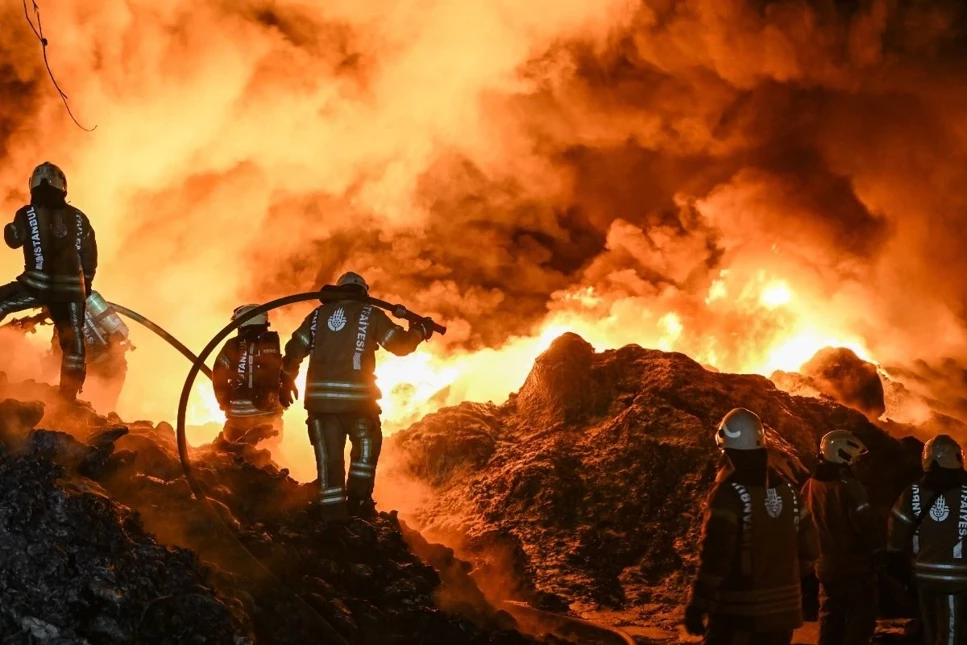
(928, 526)
(246, 380)
(849, 536)
(757, 540)
(340, 339)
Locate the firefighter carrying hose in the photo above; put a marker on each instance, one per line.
(928, 526)
(340, 339)
(60, 259)
(850, 540)
(246, 380)
(757, 541)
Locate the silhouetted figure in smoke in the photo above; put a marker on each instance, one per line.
(60, 259)
(340, 339)
(106, 343)
(928, 526)
(756, 542)
(247, 382)
(849, 536)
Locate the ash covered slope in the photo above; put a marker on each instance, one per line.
(593, 476)
(77, 565)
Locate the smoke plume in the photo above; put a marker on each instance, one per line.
(745, 182)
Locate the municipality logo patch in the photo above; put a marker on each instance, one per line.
(773, 503)
(940, 511)
(337, 320)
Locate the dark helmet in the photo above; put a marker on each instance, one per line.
(51, 175)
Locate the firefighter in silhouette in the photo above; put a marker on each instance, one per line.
(106, 345)
(928, 526)
(849, 536)
(60, 259)
(757, 540)
(247, 378)
(340, 339)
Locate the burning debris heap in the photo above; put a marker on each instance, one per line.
(842, 376)
(591, 480)
(78, 565)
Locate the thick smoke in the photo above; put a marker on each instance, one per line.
(742, 181)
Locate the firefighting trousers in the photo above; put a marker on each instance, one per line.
(68, 318)
(944, 618)
(847, 611)
(328, 434)
(719, 634)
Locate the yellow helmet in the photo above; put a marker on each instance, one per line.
(50, 173)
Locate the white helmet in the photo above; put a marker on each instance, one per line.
(741, 429)
(943, 451)
(51, 174)
(841, 447)
(261, 319)
(352, 278)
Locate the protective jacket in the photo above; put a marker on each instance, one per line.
(936, 546)
(846, 526)
(340, 339)
(753, 543)
(247, 375)
(60, 251)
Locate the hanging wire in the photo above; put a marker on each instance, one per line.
(38, 30)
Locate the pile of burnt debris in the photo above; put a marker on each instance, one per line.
(590, 482)
(101, 541)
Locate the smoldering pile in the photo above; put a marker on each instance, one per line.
(589, 483)
(78, 565)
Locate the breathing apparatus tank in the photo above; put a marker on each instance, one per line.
(102, 323)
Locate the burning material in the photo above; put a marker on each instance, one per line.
(687, 176)
(589, 481)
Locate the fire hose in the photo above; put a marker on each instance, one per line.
(174, 342)
(325, 295)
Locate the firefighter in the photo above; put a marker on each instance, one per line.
(849, 538)
(757, 540)
(247, 378)
(106, 342)
(340, 339)
(60, 259)
(927, 529)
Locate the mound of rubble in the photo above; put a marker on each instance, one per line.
(90, 518)
(586, 487)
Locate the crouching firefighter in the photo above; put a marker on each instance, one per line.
(106, 342)
(340, 338)
(850, 537)
(757, 540)
(60, 259)
(247, 378)
(928, 526)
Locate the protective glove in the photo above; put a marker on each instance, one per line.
(11, 236)
(400, 311)
(421, 328)
(288, 392)
(695, 620)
